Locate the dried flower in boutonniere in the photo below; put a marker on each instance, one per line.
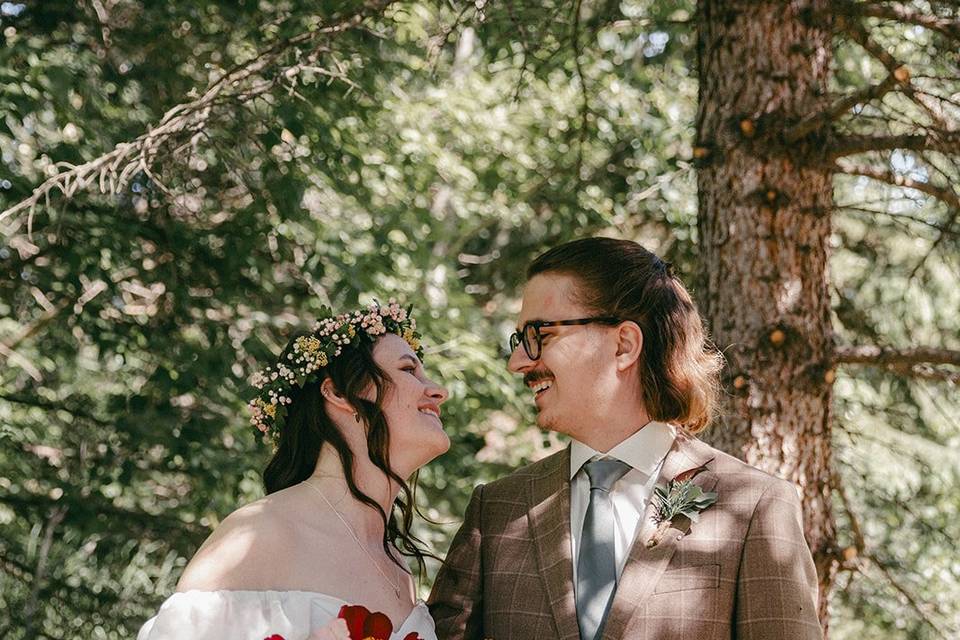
(679, 498)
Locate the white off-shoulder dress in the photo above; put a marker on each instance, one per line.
(256, 615)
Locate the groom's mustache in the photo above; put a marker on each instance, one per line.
(533, 377)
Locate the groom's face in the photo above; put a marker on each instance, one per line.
(576, 362)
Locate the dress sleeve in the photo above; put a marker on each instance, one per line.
(238, 615)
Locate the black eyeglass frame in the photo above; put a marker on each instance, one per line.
(521, 337)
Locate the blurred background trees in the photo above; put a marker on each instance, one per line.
(233, 166)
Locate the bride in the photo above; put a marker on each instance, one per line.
(352, 415)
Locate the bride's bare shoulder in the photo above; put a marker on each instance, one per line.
(242, 552)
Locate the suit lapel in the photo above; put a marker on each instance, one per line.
(645, 566)
(549, 519)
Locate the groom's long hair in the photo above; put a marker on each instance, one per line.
(679, 367)
(307, 428)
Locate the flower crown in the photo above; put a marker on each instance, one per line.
(314, 351)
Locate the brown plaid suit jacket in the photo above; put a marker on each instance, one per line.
(743, 571)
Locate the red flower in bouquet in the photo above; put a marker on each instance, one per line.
(366, 625)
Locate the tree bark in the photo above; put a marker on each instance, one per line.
(764, 228)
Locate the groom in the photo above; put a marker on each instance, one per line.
(569, 547)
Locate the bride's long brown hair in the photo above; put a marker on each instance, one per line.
(307, 428)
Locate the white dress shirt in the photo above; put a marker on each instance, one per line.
(644, 451)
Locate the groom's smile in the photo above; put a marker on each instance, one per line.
(540, 387)
(568, 365)
(538, 382)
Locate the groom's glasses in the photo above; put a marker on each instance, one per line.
(532, 339)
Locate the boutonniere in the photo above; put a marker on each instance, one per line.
(680, 497)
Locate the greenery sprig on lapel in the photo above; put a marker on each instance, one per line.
(679, 498)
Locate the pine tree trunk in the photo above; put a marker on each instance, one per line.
(764, 232)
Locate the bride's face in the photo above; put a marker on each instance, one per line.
(411, 405)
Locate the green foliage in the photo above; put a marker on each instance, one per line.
(681, 499)
(449, 154)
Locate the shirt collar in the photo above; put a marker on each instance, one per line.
(643, 450)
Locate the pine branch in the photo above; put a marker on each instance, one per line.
(947, 142)
(947, 195)
(944, 233)
(921, 609)
(949, 27)
(944, 194)
(888, 356)
(856, 530)
(71, 408)
(15, 568)
(903, 503)
(584, 93)
(40, 573)
(440, 40)
(860, 35)
(152, 526)
(858, 32)
(180, 126)
(72, 594)
(853, 557)
(950, 226)
(911, 362)
(903, 220)
(924, 372)
(900, 76)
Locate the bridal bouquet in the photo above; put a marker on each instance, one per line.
(355, 622)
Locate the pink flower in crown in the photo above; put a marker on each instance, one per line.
(310, 353)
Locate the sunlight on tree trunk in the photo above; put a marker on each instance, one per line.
(765, 226)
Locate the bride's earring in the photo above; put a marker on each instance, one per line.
(356, 416)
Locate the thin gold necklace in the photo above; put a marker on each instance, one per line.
(396, 586)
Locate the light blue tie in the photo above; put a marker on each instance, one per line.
(597, 563)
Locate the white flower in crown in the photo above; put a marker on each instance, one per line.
(310, 353)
